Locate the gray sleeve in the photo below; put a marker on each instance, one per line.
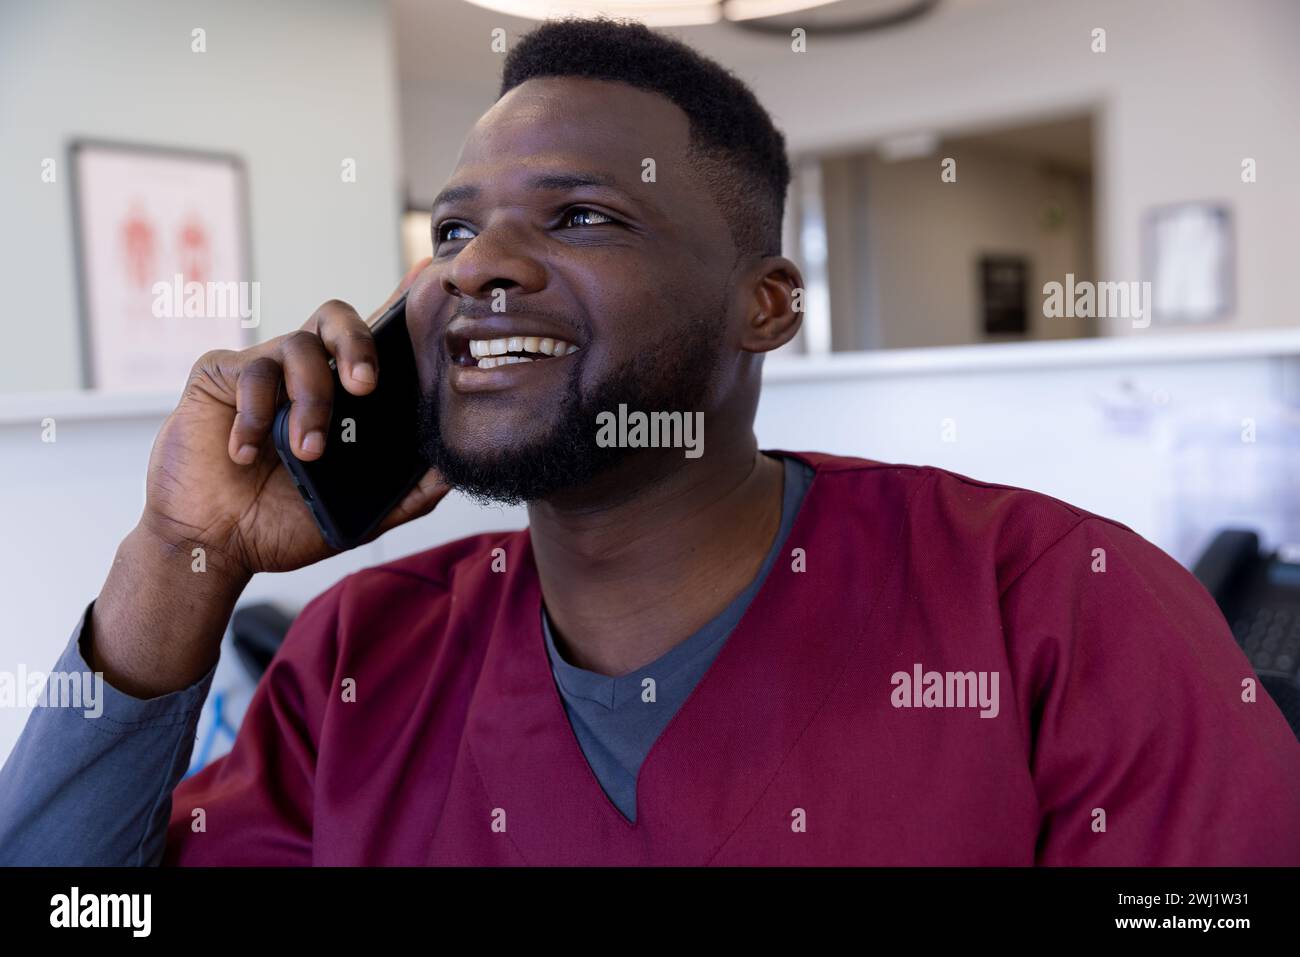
(90, 780)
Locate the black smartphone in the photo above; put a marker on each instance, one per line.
(371, 458)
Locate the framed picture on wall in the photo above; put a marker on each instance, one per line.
(1004, 290)
(163, 261)
(1189, 260)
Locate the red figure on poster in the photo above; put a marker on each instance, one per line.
(195, 250)
(138, 246)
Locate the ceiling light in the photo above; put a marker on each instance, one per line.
(778, 16)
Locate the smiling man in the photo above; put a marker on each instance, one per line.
(744, 657)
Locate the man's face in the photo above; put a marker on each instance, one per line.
(548, 230)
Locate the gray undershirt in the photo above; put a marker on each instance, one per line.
(614, 726)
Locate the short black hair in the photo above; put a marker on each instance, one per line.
(738, 152)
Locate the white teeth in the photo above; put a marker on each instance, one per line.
(494, 350)
(488, 362)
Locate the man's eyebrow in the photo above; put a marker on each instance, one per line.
(538, 181)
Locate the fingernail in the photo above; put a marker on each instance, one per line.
(313, 441)
(363, 372)
(246, 454)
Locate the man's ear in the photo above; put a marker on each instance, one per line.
(776, 305)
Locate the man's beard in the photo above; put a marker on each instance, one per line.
(671, 375)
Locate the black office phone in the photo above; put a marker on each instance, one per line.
(1259, 595)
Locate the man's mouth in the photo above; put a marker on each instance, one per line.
(489, 356)
(489, 353)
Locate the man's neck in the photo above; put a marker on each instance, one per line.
(638, 561)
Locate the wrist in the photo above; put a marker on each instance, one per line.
(181, 563)
(157, 624)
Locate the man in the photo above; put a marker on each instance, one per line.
(742, 657)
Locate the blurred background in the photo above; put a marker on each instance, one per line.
(982, 188)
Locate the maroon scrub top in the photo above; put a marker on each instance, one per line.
(411, 716)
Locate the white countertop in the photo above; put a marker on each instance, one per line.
(31, 407)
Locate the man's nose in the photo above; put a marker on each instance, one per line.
(499, 257)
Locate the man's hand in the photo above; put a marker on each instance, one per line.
(215, 480)
(216, 483)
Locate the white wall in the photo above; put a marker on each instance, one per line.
(292, 86)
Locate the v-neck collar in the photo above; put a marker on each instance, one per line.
(613, 691)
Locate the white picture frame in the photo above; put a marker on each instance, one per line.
(162, 244)
(1190, 258)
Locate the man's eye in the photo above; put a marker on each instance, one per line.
(446, 227)
(590, 217)
(583, 211)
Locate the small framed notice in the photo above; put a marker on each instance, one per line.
(1189, 259)
(163, 262)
